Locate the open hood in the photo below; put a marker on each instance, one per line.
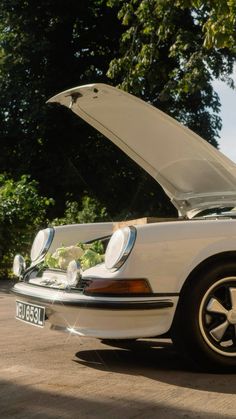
(193, 173)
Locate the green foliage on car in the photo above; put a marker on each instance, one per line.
(87, 254)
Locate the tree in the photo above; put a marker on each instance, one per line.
(22, 212)
(219, 28)
(166, 52)
(87, 211)
(170, 53)
(47, 47)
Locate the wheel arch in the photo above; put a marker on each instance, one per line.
(209, 263)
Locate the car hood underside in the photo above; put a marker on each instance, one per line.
(193, 174)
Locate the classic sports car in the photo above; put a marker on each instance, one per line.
(176, 277)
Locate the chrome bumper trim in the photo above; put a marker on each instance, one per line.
(74, 298)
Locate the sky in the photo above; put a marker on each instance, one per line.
(227, 141)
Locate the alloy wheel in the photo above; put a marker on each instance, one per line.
(217, 317)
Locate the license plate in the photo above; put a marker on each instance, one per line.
(30, 313)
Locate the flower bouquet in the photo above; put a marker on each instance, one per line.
(87, 255)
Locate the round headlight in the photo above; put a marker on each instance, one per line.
(73, 270)
(119, 247)
(19, 265)
(41, 243)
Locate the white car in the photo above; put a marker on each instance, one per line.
(176, 277)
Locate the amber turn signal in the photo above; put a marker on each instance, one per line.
(117, 287)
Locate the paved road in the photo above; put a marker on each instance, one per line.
(51, 375)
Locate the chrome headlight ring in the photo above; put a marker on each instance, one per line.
(119, 247)
(19, 266)
(41, 243)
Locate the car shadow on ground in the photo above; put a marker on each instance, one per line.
(158, 360)
(24, 401)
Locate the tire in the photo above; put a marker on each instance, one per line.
(204, 327)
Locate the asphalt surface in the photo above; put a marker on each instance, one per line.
(45, 374)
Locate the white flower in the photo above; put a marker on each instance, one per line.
(63, 262)
(64, 255)
(77, 252)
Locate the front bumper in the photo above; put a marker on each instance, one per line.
(100, 317)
